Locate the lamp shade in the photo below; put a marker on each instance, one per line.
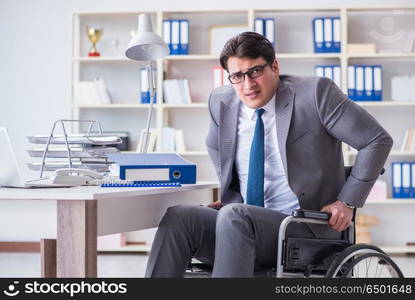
(146, 45)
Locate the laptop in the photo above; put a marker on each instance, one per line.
(10, 173)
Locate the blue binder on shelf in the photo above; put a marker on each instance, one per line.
(269, 26)
(318, 33)
(368, 93)
(167, 33)
(175, 37)
(336, 35)
(184, 37)
(359, 82)
(328, 35)
(377, 83)
(259, 26)
(406, 180)
(154, 168)
(351, 82)
(396, 180)
(412, 194)
(144, 86)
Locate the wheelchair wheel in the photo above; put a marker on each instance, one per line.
(363, 260)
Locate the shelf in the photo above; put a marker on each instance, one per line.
(194, 153)
(398, 249)
(106, 106)
(129, 248)
(385, 103)
(101, 59)
(383, 55)
(392, 153)
(192, 57)
(391, 201)
(278, 55)
(307, 55)
(192, 105)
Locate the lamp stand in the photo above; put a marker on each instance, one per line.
(152, 87)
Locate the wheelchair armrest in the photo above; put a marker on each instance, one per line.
(311, 214)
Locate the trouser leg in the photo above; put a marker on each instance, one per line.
(246, 239)
(184, 231)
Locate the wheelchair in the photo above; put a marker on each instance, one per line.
(305, 257)
(319, 258)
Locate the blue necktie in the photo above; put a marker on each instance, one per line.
(255, 188)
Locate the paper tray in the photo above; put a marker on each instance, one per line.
(52, 166)
(83, 139)
(91, 152)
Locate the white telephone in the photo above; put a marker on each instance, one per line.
(74, 177)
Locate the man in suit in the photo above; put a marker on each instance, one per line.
(276, 143)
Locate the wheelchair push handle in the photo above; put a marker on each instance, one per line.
(311, 214)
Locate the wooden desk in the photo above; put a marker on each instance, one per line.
(83, 213)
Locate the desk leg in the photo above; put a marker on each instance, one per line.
(48, 258)
(77, 238)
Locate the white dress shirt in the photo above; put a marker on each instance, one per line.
(277, 193)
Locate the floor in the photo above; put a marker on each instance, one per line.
(121, 265)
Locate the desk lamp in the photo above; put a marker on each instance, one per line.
(147, 46)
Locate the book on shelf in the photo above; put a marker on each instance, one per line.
(408, 142)
(179, 140)
(176, 91)
(152, 140)
(220, 76)
(91, 92)
(402, 88)
(172, 140)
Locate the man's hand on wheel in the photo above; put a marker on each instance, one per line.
(341, 215)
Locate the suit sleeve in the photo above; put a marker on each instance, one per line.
(350, 123)
(212, 138)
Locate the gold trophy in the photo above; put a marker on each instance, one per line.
(94, 34)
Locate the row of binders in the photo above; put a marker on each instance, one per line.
(403, 179)
(266, 27)
(176, 36)
(365, 82)
(326, 33)
(330, 71)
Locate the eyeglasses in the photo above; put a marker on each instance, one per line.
(252, 73)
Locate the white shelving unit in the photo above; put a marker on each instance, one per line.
(294, 49)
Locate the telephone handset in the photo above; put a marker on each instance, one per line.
(74, 177)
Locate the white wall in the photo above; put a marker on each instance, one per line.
(35, 53)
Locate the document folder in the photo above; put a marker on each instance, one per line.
(154, 167)
(396, 180)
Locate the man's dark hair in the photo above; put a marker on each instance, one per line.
(247, 44)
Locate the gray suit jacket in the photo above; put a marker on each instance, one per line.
(313, 117)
